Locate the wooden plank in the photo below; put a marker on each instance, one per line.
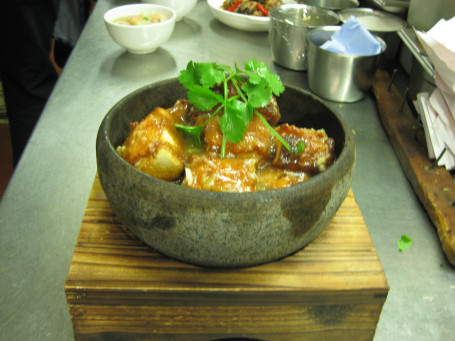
(433, 185)
(117, 287)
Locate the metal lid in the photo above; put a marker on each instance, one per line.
(303, 15)
(374, 20)
(334, 5)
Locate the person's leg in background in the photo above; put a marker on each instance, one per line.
(27, 73)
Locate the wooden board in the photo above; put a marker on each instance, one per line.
(433, 185)
(118, 288)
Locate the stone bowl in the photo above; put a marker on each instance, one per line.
(223, 230)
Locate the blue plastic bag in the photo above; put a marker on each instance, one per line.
(353, 39)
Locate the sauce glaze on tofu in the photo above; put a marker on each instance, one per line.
(258, 162)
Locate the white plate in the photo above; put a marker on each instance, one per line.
(240, 21)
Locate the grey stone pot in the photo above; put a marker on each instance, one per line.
(222, 229)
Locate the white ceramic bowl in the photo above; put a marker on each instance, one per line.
(238, 21)
(181, 7)
(140, 39)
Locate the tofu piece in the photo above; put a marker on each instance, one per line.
(155, 147)
(258, 142)
(274, 178)
(211, 173)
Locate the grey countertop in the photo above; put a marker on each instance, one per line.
(42, 208)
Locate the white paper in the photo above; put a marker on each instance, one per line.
(438, 44)
(438, 103)
(448, 95)
(443, 32)
(437, 111)
(418, 103)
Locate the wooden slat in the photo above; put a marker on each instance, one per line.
(433, 185)
(118, 286)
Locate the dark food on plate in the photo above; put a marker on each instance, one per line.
(257, 8)
(263, 158)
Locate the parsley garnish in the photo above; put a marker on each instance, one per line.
(237, 111)
(404, 242)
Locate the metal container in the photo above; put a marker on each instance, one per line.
(422, 75)
(335, 76)
(288, 32)
(333, 5)
(424, 14)
(397, 7)
(384, 25)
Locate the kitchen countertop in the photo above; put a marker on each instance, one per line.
(42, 208)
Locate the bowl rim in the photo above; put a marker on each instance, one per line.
(259, 196)
(138, 6)
(358, 12)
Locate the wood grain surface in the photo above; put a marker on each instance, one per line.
(118, 288)
(433, 184)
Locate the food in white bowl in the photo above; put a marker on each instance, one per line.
(141, 19)
(258, 8)
(181, 7)
(240, 21)
(140, 28)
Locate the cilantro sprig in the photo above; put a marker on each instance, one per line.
(253, 92)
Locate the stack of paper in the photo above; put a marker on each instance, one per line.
(437, 110)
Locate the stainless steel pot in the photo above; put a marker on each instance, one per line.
(335, 76)
(424, 14)
(397, 7)
(288, 32)
(333, 5)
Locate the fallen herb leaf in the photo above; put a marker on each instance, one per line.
(404, 242)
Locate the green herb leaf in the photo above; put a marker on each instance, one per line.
(259, 95)
(404, 242)
(188, 77)
(195, 132)
(203, 98)
(204, 74)
(300, 147)
(209, 75)
(275, 84)
(255, 92)
(262, 71)
(235, 120)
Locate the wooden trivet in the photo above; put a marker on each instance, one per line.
(120, 289)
